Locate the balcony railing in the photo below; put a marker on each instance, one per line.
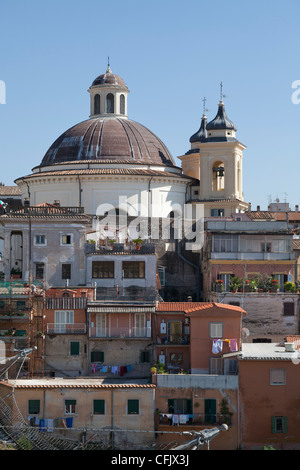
(173, 339)
(66, 328)
(66, 303)
(200, 419)
(121, 332)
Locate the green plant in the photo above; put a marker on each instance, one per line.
(263, 282)
(137, 241)
(235, 283)
(289, 287)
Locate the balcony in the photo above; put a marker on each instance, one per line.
(66, 328)
(66, 303)
(125, 332)
(173, 339)
(194, 419)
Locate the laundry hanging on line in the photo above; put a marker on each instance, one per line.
(217, 345)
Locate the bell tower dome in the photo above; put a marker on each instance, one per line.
(108, 96)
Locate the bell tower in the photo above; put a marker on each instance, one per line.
(215, 159)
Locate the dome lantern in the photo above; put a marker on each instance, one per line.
(108, 94)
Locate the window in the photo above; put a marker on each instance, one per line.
(145, 356)
(176, 358)
(40, 240)
(66, 271)
(266, 247)
(216, 366)
(133, 407)
(33, 407)
(103, 269)
(217, 212)
(97, 104)
(110, 107)
(66, 240)
(215, 330)
(101, 325)
(277, 376)
(74, 348)
(63, 318)
(122, 104)
(39, 270)
(99, 407)
(133, 269)
(180, 406)
(225, 243)
(97, 356)
(288, 308)
(279, 424)
(174, 332)
(70, 407)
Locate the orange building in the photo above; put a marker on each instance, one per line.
(269, 378)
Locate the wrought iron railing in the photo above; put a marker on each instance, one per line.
(66, 328)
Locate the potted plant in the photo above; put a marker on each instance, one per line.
(235, 283)
(289, 287)
(15, 273)
(219, 285)
(275, 285)
(138, 242)
(263, 282)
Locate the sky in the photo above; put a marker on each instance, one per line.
(171, 54)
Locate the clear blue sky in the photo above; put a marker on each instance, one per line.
(171, 54)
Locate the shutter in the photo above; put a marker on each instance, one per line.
(33, 407)
(189, 408)
(273, 423)
(97, 356)
(133, 407)
(70, 402)
(99, 406)
(74, 348)
(288, 308)
(284, 424)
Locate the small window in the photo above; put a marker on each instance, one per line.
(277, 376)
(74, 348)
(39, 270)
(97, 104)
(266, 247)
(217, 212)
(66, 239)
(133, 269)
(70, 407)
(110, 106)
(99, 407)
(133, 407)
(122, 104)
(145, 356)
(97, 356)
(216, 330)
(288, 308)
(40, 240)
(279, 424)
(66, 271)
(33, 407)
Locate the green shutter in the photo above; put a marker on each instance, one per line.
(284, 424)
(74, 348)
(33, 407)
(189, 408)
(97, 356)
(99, 407)
(133, 407)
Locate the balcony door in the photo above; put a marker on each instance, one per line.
(62, 319)
(101, 325)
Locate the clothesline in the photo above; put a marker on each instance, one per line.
(217, 345)
(116, 370)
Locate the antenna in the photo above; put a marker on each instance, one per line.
(221, 92)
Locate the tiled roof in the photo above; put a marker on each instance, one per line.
(188, 307)
(10, 191)
(260, 215)
(88, 383)
(296, 244)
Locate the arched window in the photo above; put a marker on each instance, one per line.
(97, 104)
(218, 176)
(122, 104)
(110, 103)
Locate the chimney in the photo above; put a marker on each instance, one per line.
(26, 202)
(258, 208)
(56, 203)
(296, 208)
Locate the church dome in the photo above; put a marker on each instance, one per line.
(109, 78)
(111, 139)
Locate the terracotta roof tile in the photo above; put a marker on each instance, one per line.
(188, 307)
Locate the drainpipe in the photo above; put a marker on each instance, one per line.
(112, 418)
(80, 190)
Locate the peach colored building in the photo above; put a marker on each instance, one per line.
(269, 378)
(208, 396)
